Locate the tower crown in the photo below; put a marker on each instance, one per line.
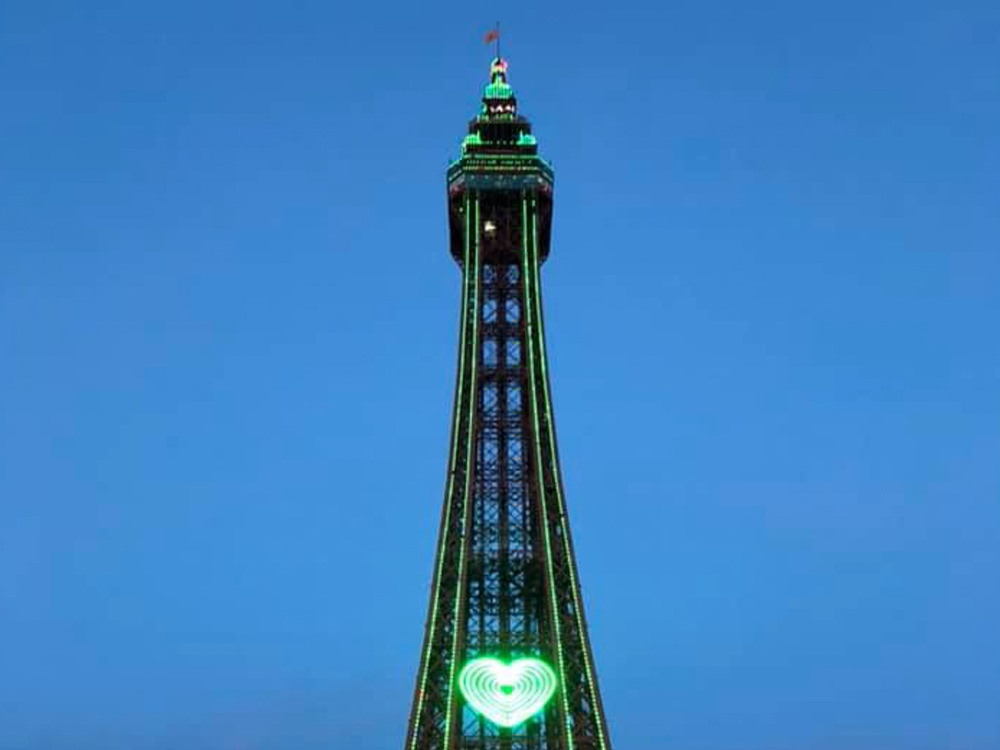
(499, 152)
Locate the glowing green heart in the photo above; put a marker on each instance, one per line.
(507, 694)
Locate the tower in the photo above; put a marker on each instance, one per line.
(506, 662)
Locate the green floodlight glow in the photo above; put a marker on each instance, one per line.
(498, 90)
(472, 139)
(507, 694)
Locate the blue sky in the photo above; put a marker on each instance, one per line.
(228, 324)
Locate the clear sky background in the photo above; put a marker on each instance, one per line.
(228, 325)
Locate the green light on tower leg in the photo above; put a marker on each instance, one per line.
(507, 694)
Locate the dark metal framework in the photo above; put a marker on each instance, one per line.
(505, 581)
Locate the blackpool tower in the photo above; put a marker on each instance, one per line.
(506, 662)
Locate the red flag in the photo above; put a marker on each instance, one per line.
(491, 36)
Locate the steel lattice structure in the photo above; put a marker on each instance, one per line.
(505, 581)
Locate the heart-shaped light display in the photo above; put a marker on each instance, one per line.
(507, 694)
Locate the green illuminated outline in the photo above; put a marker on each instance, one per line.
(563, 520)
(458, 415)
(459, 595)
(538, 458)
(477, 163)
(507, 694)
(504, 157)
(472, 139)
(498, 91)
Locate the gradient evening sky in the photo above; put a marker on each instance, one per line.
(228, 320)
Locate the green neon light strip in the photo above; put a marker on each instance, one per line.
(525, 167)
(459, 412)
(498, 91)
(459, 595)
(525, 248)
(507, 694)
(557, 479)
(504, 157)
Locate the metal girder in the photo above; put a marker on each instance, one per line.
(505, 581)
